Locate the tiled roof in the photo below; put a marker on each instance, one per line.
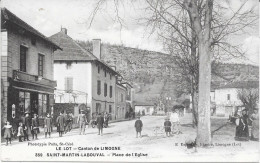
(72, 51)
(9, 17)
(141, 103)
(241, 84)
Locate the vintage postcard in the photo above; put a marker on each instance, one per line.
(129, 81)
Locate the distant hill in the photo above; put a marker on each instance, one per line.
(148, 71)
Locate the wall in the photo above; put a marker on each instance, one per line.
(225, 107)
(120, 105)
(147, 109)
(5, 72)
(15, 40)
(104, 101)
(81, 74)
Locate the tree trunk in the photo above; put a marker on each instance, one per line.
(203, 130)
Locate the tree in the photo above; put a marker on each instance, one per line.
(198, 29)
(249, 97)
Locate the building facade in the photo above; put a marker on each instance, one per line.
(226, 97)
(27, 69)
(82, 78)
(121, 107)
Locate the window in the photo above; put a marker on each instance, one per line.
(23, 51)
(68, 84)
(98, 87)
(24, 102)
(42, 105)
(122, 97)
(105, 89)
(110, 77)
(40, 64)
(105, 73)
(228, 96)
(98, 107)
(98, 69)
(111, 91)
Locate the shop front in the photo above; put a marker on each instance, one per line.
(29, 96)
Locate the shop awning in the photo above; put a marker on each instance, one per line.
(33, 90)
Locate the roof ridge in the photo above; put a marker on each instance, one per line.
(26, 26)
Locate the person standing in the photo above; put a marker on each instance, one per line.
(35, 126)
(242, 133)
(27, 126)
(60, 124)
(8, 129)
(174, 117)
(138, 127)
(100, 123)
(20, 132)
(255, 125)
(48, 125)
(82, 122)
(167, 126)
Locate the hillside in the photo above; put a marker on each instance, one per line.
(149, 72)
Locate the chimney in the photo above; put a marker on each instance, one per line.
(64, 30)
(97, 48)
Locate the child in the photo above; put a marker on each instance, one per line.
(48, 125)
(167, 126)
(7, 132)
(20, 133)
(138, 126)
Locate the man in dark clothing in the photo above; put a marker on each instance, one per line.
(35, 126)
(26, 126)
(60, 124)
(138, 126)
(100, 123)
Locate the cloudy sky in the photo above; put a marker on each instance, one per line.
(47, 16)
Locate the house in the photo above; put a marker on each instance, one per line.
(129, 95)
(145, 107)
(27, 69)
(82, 78)
(121, 109)
(226, 97)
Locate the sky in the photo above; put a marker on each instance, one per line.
(48, 16)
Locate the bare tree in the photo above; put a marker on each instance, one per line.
(197, 30)
(249, 97)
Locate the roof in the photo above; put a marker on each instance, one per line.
(126, 83)
(240, 84)
(141, 103)
(72, 51)
(120, 84)
(11, 18)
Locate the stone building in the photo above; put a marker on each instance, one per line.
(121, 108)
(27, 69)
(82, 78)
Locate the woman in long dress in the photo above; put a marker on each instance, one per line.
(255, 126)
(242, 133)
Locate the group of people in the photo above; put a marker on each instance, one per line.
(242, 126)
(64, 123)
(171, 124)
(30, 126)
(101, 121)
